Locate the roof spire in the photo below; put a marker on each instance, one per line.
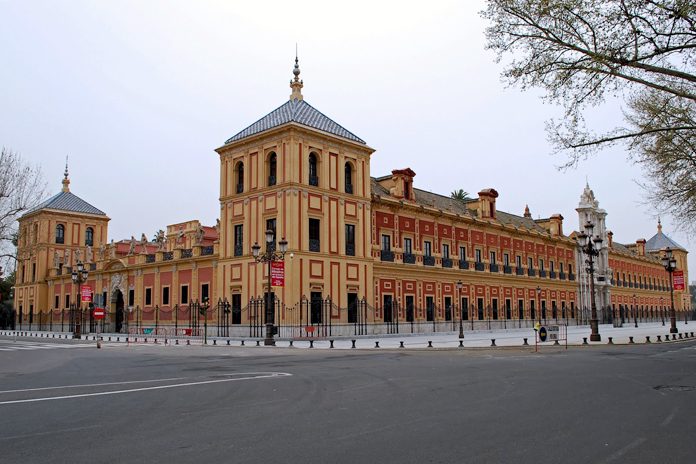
(66, 180)
(659, 225)
(296, 84)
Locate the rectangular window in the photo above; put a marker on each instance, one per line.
(165, 296)
(518, 261)
(427, 248)
(184, 295)
(238, 239)
(561, 264)
(506, 259)
(386, 243)
(493, 260)
(408, 246)
(33, 272)
(520, 309)
(205, 292)
(57, 302)
(148, 297)
(541, 264)
(530, 263)
(314, 234)
(67, 301)
(350, 239)
(465, 309)
(445, 251)
(131, 297)
(429, 308)
(478, 255)
(462, 253)
(551, 268)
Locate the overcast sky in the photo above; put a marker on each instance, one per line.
(140, 93)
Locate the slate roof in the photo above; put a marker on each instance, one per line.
(66, 201)
(300, 112)
(446, 203)
(660, 241)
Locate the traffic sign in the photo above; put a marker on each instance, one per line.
(99, 313)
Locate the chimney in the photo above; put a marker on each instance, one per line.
(556, 225)
(610, 236)
(486, 207)
(640, 246)
(402, 180)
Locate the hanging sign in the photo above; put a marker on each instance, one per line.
(277, 273)
(678, 280)
(86, 292)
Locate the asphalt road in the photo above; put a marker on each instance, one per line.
(599, 404)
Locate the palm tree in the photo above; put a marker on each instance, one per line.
(460, 195)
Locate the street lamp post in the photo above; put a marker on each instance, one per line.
(461, 310)
(635, 311)
(590, 246)
(79, 276)
(269, 257)
(670, 265)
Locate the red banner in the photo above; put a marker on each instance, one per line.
(278, 273)
(86, 292)
(678, 280)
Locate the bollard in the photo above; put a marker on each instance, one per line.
(611, 341)
(145, 339)
(376, 344)
(630, 340)
(493, 342)
(674, 336)
(647, 339)
(430, 344)
(401, 344)
(118, 339)
(525, 342)
(692, 334)
(228, 343)
(188, 342)
(680, 336)
(556, 343)
(214, 342)
(353, 343)
(155, 341)
(176, 342)
(584, 340)
(311, 343)
(258, 342)
(461, 343)
(109, 338)
(291, 346)
(331, 343)
(242, 343)
(659, 338)
(667, 337)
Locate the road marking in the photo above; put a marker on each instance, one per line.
(89, 385)
(251, 376)
(624, 450)
(50, 432)
(669, 418)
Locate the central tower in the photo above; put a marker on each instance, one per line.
(303, 176)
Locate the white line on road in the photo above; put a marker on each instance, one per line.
(89, 385)
(251, 376)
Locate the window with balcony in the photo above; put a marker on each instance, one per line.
(530, 267)
(314, 234)
(463, 263)
(313, 170)
(446, 260)
(409, 257)
(272, 168)
(428, 258)
(238, 239)
(494, 262)
(478, 265)
(60, 234)
(350, 240)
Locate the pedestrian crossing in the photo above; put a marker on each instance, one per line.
(6, 345)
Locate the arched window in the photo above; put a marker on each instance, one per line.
(272, 167)
(60, 233)
(89, 236)
(313, 172)
(349, 178)
(240, 177)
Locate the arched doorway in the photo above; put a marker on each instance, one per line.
(117, 301)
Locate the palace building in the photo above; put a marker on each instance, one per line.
(364, 254)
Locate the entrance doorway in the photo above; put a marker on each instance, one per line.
(117, 300)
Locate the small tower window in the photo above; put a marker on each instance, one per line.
(60, 233)
(313, 172)
(89, 237)
(272, 168)
(349, 178)
(240, 177)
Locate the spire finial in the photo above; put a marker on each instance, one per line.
(296, 84)
(527, 214)
(66, 180)
(659, 225)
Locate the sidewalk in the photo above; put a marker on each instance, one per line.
(476, 339)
